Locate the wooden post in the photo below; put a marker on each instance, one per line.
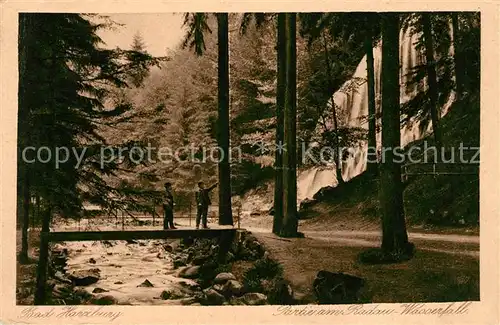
(190, 212)
(33, 215)
(41, 277)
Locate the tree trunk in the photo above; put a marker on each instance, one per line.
(24, 33)
(457, 56)
(394, 236)
(431, 76)
(290, 221)
(41, 276)
(23, 257)
(371, 166)
(225, 212)
(338, 155)
(280, 102)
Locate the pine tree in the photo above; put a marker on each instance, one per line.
(394, 235)
(197, 25)
(63, 82)
(431, 76)
(138, 71)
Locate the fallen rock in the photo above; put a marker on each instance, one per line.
(118, 282)
(212, 297)
(253, 299)
(85, 277)
(337, 288)
(92, 260)
(99, 290)
(224, 277)
(146, 284)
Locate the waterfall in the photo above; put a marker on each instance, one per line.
(352, 107)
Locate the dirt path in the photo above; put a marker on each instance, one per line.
(449, 244)
(434, 274)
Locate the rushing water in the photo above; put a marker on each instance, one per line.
(125, 266)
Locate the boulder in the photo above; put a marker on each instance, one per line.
(172, 294)
(104, 300)
(107, 243)
(190, 284)
(146, 284)
(232, 288)
(59, 276)
(281, 293)
(85, 277)
(92, 260)
(219, 288)
(200, 259)
(61, 291)
(337, 288)
(178, 262)
(212, 297)
(224, 277)
(99, 290)
(79, 296)
(190, 272)
(306, 203)
(324, 191)
(253, 299)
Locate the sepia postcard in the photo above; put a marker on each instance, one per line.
(232, 162)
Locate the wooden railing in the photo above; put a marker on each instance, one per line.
(437, 169)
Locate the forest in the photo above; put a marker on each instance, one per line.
(268, 85)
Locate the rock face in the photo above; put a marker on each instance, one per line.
(222, 278)
(337, 288)
(85, 277)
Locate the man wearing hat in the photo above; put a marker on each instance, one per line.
(202, 203)
(168, 207)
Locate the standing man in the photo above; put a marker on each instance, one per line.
(202, 203)
(168, 207)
